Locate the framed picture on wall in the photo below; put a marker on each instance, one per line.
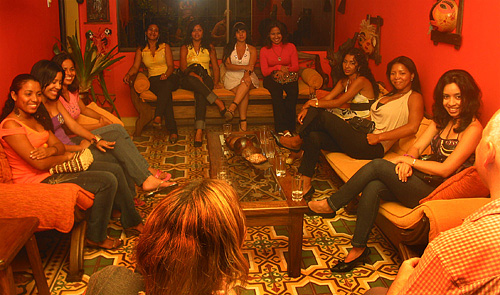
(97, 11)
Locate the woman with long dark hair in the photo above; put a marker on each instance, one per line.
(157, 57)
(239, 59)
(396, 115)
(452, 135)
(32, 149)
(279, 62)
(197, 54)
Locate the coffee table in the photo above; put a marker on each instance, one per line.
(265, 198)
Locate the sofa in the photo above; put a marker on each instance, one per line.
(311, 74)
(58, 206)
(410, 230)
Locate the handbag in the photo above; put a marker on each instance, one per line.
(198, 70)
(80, 162)
(432, 180)
(362, 125)
(287, 78)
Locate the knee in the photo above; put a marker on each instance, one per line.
(381, 165)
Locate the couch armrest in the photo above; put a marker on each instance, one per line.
(312, 78)
(441, 218)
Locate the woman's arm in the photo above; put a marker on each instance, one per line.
(294, 66)
(416, 113)
(135, 66)
(170, 62)
(215, 66)
(84, 110)
(251, 65)
(264, 63)
(23, 147)
(183, 58)
(468, 140)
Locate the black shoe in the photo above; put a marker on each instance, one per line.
(324, 215)
(198, 144)
(345, 267)
(277, 139)
(223, 111)
(173, 138)
(308, 196)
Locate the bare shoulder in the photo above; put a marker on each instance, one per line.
(475, 126)
(10, 124)
(416, 96)
(252, 48)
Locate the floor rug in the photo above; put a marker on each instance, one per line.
(325, 240)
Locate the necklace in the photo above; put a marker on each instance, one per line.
(278, 55)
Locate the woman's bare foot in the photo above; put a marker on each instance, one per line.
(199, 135)
(162, 175)
(153, 183)
(292, 142)
(320, 206)
(108, 243)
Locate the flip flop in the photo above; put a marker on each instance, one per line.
(158, 175)
(160, 188)
(116, 243)
(277, 139)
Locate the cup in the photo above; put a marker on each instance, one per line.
(297, 188)
(227, 128)
(280, 165)
(269, 149)
(223, 173)
(263, 133)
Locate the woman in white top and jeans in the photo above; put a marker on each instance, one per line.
(239, 59)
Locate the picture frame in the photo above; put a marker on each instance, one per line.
(97, 11)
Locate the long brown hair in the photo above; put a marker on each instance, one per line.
(192, 241)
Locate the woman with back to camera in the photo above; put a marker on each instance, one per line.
(396, 115)
(157, 57)
(110, 146)
(32, 149)
(279, 62)
(197, 54)
(358, 88)
(239, 59)
(452, 135)
(192, 244)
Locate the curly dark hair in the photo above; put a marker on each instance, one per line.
(41, 114)
(59, 59)
(205, 40)
(283, 30)
(470, 99)
(162, 38)
(363, 68)
(410, 65)
(239, 26)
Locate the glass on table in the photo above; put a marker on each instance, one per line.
(297, 188)
(227, 128)
(280, 165)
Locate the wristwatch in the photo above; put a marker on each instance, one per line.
(317, 103)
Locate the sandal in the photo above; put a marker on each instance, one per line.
(240, 128)
(157, 125)
(223, 111)
(105, 244)
(173, 138)
(167, 175)
(132, 232)
(161, 188)
(229, 115)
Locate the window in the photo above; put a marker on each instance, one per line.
(309, 22)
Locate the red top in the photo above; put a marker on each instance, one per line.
(271, 59)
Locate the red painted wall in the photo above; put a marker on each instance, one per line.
(28, 29)
(406, 24)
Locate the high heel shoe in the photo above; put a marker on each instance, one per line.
(108, 244)
(277, 139)
(223, 111)
(173, 138)
(308, 196)
(239, 125)
(343, 266)
(229, 115)
(310, 212)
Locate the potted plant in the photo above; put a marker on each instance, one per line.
(90, 65)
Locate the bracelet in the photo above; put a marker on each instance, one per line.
(96, 139)
(413, 164)
(408, 155)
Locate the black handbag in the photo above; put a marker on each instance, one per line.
(362, 125)
(432, 180)
(198, 70)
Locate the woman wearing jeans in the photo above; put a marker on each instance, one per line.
(453, 136)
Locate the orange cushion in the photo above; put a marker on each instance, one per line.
(148, 95)
(5, 172)
(141, 83)
(312, 78)
(466, 184)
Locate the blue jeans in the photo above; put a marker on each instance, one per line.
(107, 182)
(284, 109)
(377, 180)
(203, 96)
(164, 106)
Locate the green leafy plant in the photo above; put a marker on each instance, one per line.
(90, 65)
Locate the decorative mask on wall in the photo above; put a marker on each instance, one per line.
(100, 39)
(443, 15)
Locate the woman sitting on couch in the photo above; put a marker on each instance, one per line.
(32, 149)
(453, 136)
(396, 115)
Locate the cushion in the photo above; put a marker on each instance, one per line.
(312, 78)
(148, 96)
(5, 172)
(82, 119)
(466, 184)
(55, 210)
(141, 83)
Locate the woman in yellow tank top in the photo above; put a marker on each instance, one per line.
(196, 56)
(158, 59)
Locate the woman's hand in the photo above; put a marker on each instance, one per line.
(43, 152)
(102, 145)
(126, 79)
(84, 144)
(69, 155)
(373, 139)
(278, 75)
(163, 76)
(301, 116)
(404, 170)
(285, 69)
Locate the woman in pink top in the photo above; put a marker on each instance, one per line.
(278, 58)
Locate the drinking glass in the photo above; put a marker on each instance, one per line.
(280, 160)
(223, 173)
(270, 148)
(297, 188)
(263, 133)
(227, 128)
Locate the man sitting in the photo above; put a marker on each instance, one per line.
(462, 260)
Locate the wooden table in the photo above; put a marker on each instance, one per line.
(278, 211)
(14, 234)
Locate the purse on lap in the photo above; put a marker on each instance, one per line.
(362, 125)
(80, 162)
(288, 78)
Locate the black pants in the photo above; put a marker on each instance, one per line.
(164, 106)
(326, 131)
(284, 109)
(203, 96)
